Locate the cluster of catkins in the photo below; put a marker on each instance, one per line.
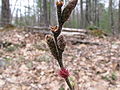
(57, 51)
(52, 45)
(56, 41)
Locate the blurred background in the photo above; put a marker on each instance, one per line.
(102, 14)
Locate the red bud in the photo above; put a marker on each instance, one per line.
(64, 73)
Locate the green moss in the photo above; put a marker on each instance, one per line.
(110, 77)
(113, 76)
(106, 78)
(61, 88)
(92, 27)
(11, 48)
(8, 59)
(98, 33)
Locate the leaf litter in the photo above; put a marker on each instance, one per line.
(31, 66)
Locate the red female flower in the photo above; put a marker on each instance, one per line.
(64, 73)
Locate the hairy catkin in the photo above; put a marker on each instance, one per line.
(51, 45)
(67, 10)
(61, 42)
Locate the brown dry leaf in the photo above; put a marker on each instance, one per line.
(33, 67)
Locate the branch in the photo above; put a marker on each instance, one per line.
(56, 42)
(84, 42)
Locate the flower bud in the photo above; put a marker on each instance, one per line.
(64, 73)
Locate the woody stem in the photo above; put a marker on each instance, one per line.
(58, 54)
(69, 84)
(61, 63)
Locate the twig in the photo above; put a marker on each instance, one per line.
(58, 54)
(57, 44)
(77, 41)
(69, 84)
(61, 63)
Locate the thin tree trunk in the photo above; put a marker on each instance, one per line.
(45, 13)
(40, 11)
(34, 14)
(119, 19)
(73, 19)
(98, 17)
(53, 13)
(111, 16)
(95, 12)
(87, 13)
(5, 13)
(49, 12)
(16, 18)
(81, 14)
(21, 16)
(77, 19)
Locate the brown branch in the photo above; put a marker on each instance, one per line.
(84, 42)
(61, 63)
(69, 84)
(59, 59)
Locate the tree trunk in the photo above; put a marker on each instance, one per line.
(119, 19)
(45, 13)
(5, 13)
(111, 16)
(96, 12)
(87, 13)
(49, 12)
(81, 14)
(16, 18)
(95, 1)
(98, 17)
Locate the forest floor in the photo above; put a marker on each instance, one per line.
(27, 64)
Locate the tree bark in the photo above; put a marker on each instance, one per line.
(111, 16)
(119, 19)
(96, 13)
(87, 13)
(77, 41)
(5, 13)
(49, 10)
(95, 1)
(81, 14)
(45, 13)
